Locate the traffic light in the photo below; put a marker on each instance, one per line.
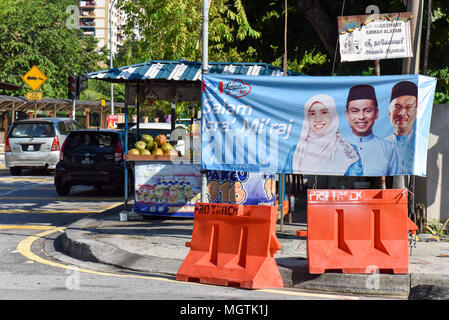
(81, 85)
(72, 87)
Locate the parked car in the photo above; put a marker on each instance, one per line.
(93, 158)
(33, 143)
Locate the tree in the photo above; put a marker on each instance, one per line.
(438, 60)
(171, 29)
(34, 32)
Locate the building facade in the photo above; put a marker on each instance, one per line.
(95, 20)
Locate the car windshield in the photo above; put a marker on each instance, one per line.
(65, 127)
(35, 130)
(100, 140)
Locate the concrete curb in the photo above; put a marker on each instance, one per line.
(79, 242)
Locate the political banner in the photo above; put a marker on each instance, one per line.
(166, 189)
(344, 126)
(246, 188)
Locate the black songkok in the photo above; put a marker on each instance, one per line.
(362, 91)
(404, 88)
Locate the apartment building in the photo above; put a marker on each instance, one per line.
(95, 20)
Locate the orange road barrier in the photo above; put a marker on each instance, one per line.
(285, 206)
(233, 245)
(358, 231)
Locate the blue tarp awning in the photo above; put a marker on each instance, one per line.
(162, 71)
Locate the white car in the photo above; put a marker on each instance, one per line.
(34, 143)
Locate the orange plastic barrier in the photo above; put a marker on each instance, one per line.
(233, 245)
(358, 231)
(285, 206)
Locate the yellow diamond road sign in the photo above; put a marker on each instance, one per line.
(34, 78)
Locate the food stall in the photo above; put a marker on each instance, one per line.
(170, 183)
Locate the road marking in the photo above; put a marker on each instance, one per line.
(96, 199)
(26, 227)
(54, 211)
(48, 211)
(306, 294)
(39, 188)
(24, 179)
(24, 248)
(18, 189)
(42, 211)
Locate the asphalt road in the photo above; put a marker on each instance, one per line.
(32, 218)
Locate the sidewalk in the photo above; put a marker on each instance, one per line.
(156, 245)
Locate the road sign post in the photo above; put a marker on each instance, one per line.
(34, 78)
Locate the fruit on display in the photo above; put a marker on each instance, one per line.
(151, 145)
(140, 145)
(147, 138)
(134, 152)
(157, 152)
(166, 147)
(160, 140)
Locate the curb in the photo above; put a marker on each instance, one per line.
(297, 276)
(79, 243)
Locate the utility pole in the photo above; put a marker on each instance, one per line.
(411, 65)
(205, 70)
(111, 65)
(282, 175)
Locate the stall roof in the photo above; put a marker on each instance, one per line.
(9, 86)
(21, 103)
(186, 71)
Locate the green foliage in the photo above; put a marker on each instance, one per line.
(438, 51)
(98, 90)
(171, 29)
(305, 63)
(34, 32)
(442, 90)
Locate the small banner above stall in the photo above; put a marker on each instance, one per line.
(355, 126)
(375, 36)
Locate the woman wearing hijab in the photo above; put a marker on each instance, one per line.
(321, 149)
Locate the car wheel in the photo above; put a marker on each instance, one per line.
(63, 189)
(15, 171)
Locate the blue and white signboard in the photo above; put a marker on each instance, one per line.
(354, 126)
(237, 187)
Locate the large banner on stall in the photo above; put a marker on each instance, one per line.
(166, 189)
(355, 126)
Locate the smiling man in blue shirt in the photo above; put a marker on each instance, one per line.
(402, 112)
(378, 157)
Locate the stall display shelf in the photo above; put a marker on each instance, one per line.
(165, 157)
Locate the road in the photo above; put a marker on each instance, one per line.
(33, 216)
